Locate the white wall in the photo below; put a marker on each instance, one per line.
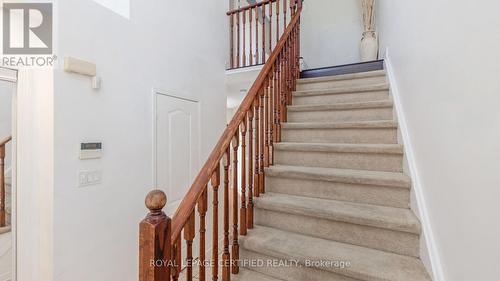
(331, 32)
(445, 60)
(178, 46)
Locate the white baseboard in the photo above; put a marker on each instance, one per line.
(436, 265)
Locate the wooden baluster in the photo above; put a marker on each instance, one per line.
(266, 123)
(287, 77)
(226, 271)
(270, 27)
(189, 230)
(275, 105)
(284, 15)
(295, 65)
(290, 77)
(3, 213)
(177, 254)
(292, 64)
(154, 240)
(282, 87)
(277, 21)
(202, 210)
(235, 250)
(238, 62)
(250, 169)
(270, 119)
(278, 95)
(261, 140)
(263, 34)
(215, 227)
(231, 40)
(250, 13)
(243, 207)
(257, 147)
(298, 42)
(257, 36)
(287, 72)
(244, 12)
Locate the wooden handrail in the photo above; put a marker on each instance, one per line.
(189, 202)
(249, 7)
(2, 181)
(5, 140)
(256, 126)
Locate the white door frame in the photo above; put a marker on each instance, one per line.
(163, 92)
(10, 75)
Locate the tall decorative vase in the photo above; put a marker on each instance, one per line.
(369, 46)
(369, 41)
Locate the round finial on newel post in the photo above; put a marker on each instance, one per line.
(156, 200)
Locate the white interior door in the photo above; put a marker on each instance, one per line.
(177, 146)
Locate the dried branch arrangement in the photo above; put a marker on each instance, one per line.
(368, 7)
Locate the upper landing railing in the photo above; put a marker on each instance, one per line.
(254, 30)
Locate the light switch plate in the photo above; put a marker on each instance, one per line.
(86, 178)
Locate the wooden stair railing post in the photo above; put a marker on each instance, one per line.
(243, 207)
(231, 40)
(244, 13)
(264, 34)
(284, 14)
(235, 249)
(226, 258)
(238, 37)
(250, 24)
(250, 170)
(215, 228)
(189, 233)
(277, 101)
(270, 27)
(257, 36)
(177, 257)
(266, 123)
(277, 21)
(270, 120)
(261, 140)
(155, 240)
(202, 211)
(256, 185)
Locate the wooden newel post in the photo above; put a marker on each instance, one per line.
(155, 240)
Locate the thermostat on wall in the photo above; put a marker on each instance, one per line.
(90, 150)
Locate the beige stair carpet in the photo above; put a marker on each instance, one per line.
(337, 200)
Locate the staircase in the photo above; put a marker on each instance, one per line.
(306, 182)
(337, 192)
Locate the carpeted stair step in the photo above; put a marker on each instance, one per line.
(379, 188)
(375, 157)
(389, 229)
(325, 255)
(375, 92)
(336, 81)
(341, 132)
(342, 112)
